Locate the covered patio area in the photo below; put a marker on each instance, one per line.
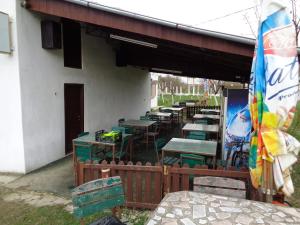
(153, 152)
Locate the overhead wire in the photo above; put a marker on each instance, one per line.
(230, 14)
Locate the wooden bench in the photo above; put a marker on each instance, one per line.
(97, 195)
(220, 186)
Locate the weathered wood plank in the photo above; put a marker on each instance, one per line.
(96, 184)
(157, 187)
(98, 206)
(138, 184)
(175, 180)
(148, 192)
(97, 195)
(129, 190)
(185, 179)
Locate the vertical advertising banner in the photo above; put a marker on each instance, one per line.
(238, 125)
(274, 90)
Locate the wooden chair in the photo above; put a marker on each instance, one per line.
(153, 134)
(121, 152)
(168, 160)
(97, 195)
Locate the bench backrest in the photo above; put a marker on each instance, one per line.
(220, 186)
(97, 195)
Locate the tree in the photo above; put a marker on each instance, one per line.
(295, 18)
(294, 7)
(169, 82)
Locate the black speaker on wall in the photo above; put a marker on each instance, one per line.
(51, 34)
(121, 58)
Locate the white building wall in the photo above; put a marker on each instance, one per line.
(110, 92)
(11, 135)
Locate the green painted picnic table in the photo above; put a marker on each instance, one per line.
(178, 110)
(160, 114)
(203, 116)
(199, 127)
(190, 146)
(210, 110)
(90, 139)
(140, 124)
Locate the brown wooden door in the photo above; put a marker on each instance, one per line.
(74, 117)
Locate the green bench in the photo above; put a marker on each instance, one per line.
(97, 195)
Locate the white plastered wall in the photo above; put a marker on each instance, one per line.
(11, 135)
(110, 92)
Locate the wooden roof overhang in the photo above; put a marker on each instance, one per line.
(193, 53)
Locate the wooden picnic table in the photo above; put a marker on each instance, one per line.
(161, 114)
(203, 116)
(210, 111)
(200, 147)
(178, 110)
(145, 124)
(199, 127)
(190, 208)
(90, 139)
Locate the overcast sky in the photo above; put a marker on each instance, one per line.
(238, 17)
(230, 16)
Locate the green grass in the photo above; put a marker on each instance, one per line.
(294, 200)
(168, 99)
(20, 213)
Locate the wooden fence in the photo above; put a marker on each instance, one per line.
(145, 185)
(142, 183)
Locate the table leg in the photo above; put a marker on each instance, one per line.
(75, 166)
(131, 149)
(147, 138)
(162, 157)
(214, 162)
(113, 152)
(182, 133)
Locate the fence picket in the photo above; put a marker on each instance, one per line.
(113, 170)
(148, 188)
(138, 184)
(185, 180)
(129, 191)
(175, 180)
(87, 173)
(158, 185)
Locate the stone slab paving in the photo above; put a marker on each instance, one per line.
(190, 208)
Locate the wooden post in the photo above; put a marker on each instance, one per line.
(267, 185)
(105, 173)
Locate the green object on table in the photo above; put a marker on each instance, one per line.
(97, 195)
